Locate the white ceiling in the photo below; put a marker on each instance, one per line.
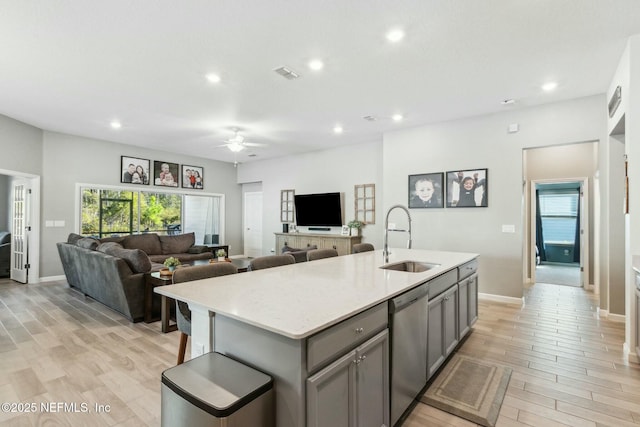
(73, 66)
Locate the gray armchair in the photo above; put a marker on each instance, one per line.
(5, 253)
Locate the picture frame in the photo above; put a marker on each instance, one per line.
(134, 170)
(165, 174)
(193, 177)
(426, 190)
(345, 230)
(468, 188)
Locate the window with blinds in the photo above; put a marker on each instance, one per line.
(559, 214)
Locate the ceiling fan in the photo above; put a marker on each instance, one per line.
(237, 143)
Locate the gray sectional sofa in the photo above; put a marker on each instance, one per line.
(112, 270)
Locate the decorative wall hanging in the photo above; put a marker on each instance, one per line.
(365, 203)
(192, 177)
(467, 188)
(165, 174)
(134, 170)
(426, 190)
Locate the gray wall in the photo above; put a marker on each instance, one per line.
(21, 146)
(483, 142)
(5, 206)
(334, 170)
(616, 271)
(69, 160)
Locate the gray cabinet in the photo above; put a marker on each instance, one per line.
(467, 297)
(442, 328)
(353, 390)
(467, 304)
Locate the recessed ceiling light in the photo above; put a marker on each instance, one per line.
(395, 36)
(213, 78)
(316, 64)
(508, 101)
(338, 129)
(549, 86)
(397, 117)
(116, 124)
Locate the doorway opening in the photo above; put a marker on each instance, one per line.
(20, 217)
(558, 237)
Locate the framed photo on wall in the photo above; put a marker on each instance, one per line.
(192, 177)
(468, 188)
(426, 190)
(165, 174)
(134, 170)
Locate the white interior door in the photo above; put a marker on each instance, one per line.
(253, 224)
(20, 231)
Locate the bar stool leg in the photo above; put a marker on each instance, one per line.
(183, 347)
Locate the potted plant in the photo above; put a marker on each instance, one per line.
(355, 227)
(171, 263)
(221, 254)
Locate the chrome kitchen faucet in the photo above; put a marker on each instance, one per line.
(385, 251)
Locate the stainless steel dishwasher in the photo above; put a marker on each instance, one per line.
(408, 317)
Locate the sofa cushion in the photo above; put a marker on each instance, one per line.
(177, 244)
(88, 243)
(117, 239)
(137, 260)
(149, 243)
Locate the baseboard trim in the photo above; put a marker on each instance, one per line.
(501, 298)
(617, 318)
(51, 278)
(631, 355)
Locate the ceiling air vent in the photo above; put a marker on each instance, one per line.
(287, 73)
(369, 118)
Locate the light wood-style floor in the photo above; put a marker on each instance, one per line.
(59, 347)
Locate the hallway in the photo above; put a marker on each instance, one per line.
(555, 274)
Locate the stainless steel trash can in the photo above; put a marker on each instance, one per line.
(214, 390)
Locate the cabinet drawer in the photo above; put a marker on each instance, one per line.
(442, 283)
(467, 269)
(325, 346)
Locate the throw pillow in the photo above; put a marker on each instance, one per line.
(88, 243)
(137, 260)
(73, 238)
(178, 244)
(147, 242)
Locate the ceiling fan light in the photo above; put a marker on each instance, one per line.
(237, 139)
(235, 147)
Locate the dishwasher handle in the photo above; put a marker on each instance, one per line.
(400, 302)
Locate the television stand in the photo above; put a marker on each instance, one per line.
(343, 244)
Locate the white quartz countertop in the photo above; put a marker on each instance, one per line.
(299, 300)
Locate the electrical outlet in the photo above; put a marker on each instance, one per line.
(508, 228)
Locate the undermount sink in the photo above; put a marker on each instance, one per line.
(410, 266)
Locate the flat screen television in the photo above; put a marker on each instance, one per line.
(318, 210)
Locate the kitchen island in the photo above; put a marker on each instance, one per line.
(288, 321)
